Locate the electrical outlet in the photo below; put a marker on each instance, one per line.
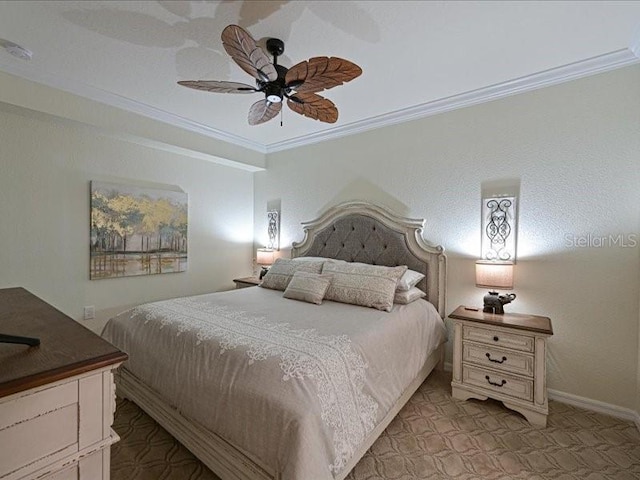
(89, 312)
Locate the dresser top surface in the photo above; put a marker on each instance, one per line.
(66, 347)
(520, 321)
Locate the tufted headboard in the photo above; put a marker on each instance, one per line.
(367, 233)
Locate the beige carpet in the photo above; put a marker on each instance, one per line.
(433, 437)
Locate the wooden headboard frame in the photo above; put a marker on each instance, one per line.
(364, 232)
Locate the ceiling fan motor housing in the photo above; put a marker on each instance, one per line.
(274, 91)
(275, 47)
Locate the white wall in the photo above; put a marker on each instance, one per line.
(573, 151)
(638, 374)
(45, 168)
(121, 123)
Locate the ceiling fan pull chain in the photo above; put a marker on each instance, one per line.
(280, 117)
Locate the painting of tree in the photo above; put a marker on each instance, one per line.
(137, 231)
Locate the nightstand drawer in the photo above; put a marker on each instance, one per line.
(498, 382)
(498, 359)
(523, 343)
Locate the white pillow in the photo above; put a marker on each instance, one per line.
(362, 284)
(310, 259)
(409, 280)
(308, 287)
(316, 259)
(404, 298)
(282, 270)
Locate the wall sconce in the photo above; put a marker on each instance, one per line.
(498, 275)
(264, 258)
(499, 228)
(273, 229)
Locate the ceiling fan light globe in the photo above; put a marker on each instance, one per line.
(273, 93)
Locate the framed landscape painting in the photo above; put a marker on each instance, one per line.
(137, 230)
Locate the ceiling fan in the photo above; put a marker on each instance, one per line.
(298, 84)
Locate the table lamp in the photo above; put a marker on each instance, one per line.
(495, 275)
(264, 258)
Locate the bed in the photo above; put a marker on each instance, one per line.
(258, 386)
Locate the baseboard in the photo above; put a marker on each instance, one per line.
(595, 406)
(586, 403)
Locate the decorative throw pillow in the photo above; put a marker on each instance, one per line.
(308, 287)
(362, 284)
(310, 259)
(316, 259)
(409, 280)
(404, 298)
(282, 270)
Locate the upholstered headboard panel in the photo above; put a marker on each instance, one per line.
(359, 238)
(362, 232)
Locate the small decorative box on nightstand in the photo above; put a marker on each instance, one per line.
(246, 282)
(502, 357)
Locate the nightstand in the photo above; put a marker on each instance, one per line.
(246, 282)
(502, 357)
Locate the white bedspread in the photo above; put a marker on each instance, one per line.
(296, 386)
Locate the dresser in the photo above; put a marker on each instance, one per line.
(57, 399)
(502, 357)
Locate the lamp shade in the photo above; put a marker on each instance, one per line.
(264, 256)
(494, 274)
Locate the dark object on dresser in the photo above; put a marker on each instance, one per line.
(32, 342)
(494, 303)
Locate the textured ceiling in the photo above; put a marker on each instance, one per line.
(132, 53)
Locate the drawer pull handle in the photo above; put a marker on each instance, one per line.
(504, 359)
(495, 338)
(494, 383)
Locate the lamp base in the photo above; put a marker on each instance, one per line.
(263, 272)
(494, 303)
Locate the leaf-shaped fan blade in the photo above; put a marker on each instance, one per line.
(321, 73)
(244, 51)
(263, 111)
(218, 87)
(314, 106)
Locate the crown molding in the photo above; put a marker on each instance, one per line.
(187, 152)
(599, 64)
(136, 139)
(93, 93)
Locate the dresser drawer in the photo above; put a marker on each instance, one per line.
(68, 474)
(523, 343)
(498, 359)
(48, 437)
(498, 382)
